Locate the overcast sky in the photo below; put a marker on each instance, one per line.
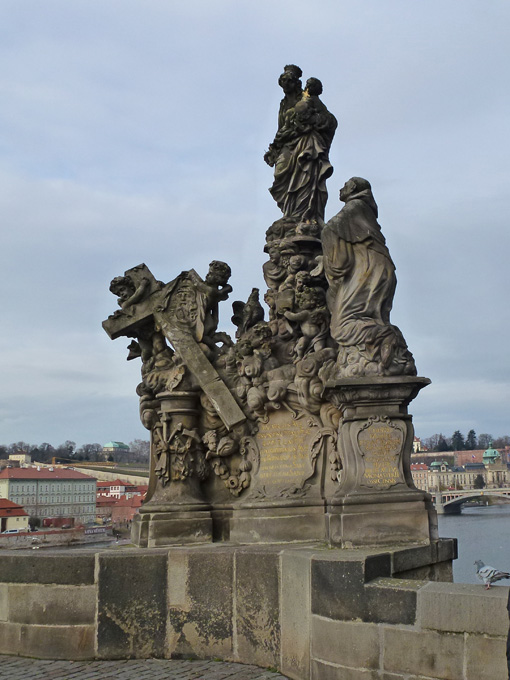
(134, 132)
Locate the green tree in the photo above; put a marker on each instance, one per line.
(66, 450)
(458, 443)
(34, 523)
(43, 453)
(442, 444)
(471, 441)
(479, 482)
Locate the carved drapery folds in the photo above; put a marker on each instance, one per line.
(361, 285)
(299, 152)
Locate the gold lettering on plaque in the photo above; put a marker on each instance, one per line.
(284, 445)
(381, 446)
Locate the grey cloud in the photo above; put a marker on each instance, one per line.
(137, 134)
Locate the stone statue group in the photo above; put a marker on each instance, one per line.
(357, 265)
(330, 289)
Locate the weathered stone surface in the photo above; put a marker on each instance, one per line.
(412, 558)
(427, 563)
(62, 568)
(460, 607)
(486, 658)
(254, 603)
(52, 605)
(10, 638)
(436, 655)
(257, 606)
(376, 566)
(177, 587)
(178, 528)
(200, 615)
(300, 149)
(399, 676)
(4, 602)
(348, 644)
(447, 549)
(132, 601)
(338, 584)
(278, 524)
(295, 613)
(392, 600)
(323, 671)
(378, 524)
(360, 298)
(337, 589)
(57, 642)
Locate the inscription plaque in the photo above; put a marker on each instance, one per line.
(285, 453)
(380, 443)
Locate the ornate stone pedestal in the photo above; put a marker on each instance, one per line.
(376, 502)
(175, 511)
(285, 501)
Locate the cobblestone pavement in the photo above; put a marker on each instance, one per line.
(17, 668)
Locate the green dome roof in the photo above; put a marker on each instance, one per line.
(115, 445)
(491, 455)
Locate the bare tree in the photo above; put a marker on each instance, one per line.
(484, 440)
(91, 452)
(140, 450)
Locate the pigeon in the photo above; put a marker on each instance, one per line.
(488, 574)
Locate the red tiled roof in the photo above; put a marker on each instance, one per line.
(42, 473)
(116, 482)
(133, 502)
(10, 509)
(105, 501)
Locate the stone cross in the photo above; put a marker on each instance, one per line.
(175, 310)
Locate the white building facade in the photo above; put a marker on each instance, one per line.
(21, 457)
(48, 493)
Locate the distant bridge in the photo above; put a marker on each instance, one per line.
(450, 502)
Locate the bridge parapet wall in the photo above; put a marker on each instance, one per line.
(313, 612)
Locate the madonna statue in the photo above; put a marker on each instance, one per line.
(300, 153)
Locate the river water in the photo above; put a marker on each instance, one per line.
(483, 533)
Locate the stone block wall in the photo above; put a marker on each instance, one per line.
(313, 612)
(48, 605)
(447, 632)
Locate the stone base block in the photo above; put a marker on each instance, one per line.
(160, 529)
(378, 524)
(278, 525)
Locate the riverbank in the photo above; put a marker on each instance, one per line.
(52, 538)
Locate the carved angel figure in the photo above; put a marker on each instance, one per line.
(313, 319)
